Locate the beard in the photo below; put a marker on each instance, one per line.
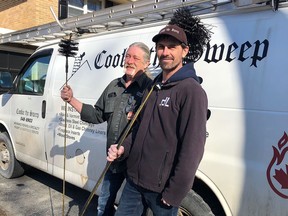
(167, 66)
(129, 71)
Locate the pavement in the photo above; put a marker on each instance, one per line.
(39, 194)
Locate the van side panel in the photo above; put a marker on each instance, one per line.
(244, 71)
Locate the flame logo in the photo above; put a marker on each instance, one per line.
(277, 171)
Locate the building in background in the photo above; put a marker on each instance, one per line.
(24, 14)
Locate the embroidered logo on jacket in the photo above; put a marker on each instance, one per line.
(164, 102)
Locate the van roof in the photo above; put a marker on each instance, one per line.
(121, 17)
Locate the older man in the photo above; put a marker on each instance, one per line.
(116, 105)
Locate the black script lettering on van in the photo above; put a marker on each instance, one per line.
(155, 62)
(109, 60)
(215, 53)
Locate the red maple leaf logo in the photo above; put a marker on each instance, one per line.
(276, 175)
(282, 177)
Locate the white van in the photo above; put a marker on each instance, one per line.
(244, 69)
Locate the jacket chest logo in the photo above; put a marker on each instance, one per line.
(164, 102)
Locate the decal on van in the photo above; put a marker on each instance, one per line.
(25, 122)
(75, 127)
(77, 65)
(106, 59)
(277, 171)
(228, 53)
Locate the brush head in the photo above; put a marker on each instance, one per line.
(68, 47)
(198, 35)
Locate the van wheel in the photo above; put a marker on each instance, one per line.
(192, 205)
(9, 166)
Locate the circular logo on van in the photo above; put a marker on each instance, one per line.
(277, 171)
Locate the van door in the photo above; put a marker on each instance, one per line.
(28, 110)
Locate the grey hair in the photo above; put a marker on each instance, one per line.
(143, 47)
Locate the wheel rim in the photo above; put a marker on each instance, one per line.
(4, 157)
(183, 212)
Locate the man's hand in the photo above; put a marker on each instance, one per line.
(114, 153)
(67, 93)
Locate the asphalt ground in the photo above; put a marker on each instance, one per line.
(39, 194)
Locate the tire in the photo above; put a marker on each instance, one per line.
(191, 205)
(194, 205)
(9, 166)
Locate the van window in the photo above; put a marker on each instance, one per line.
(5, 79)
(32, 80)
